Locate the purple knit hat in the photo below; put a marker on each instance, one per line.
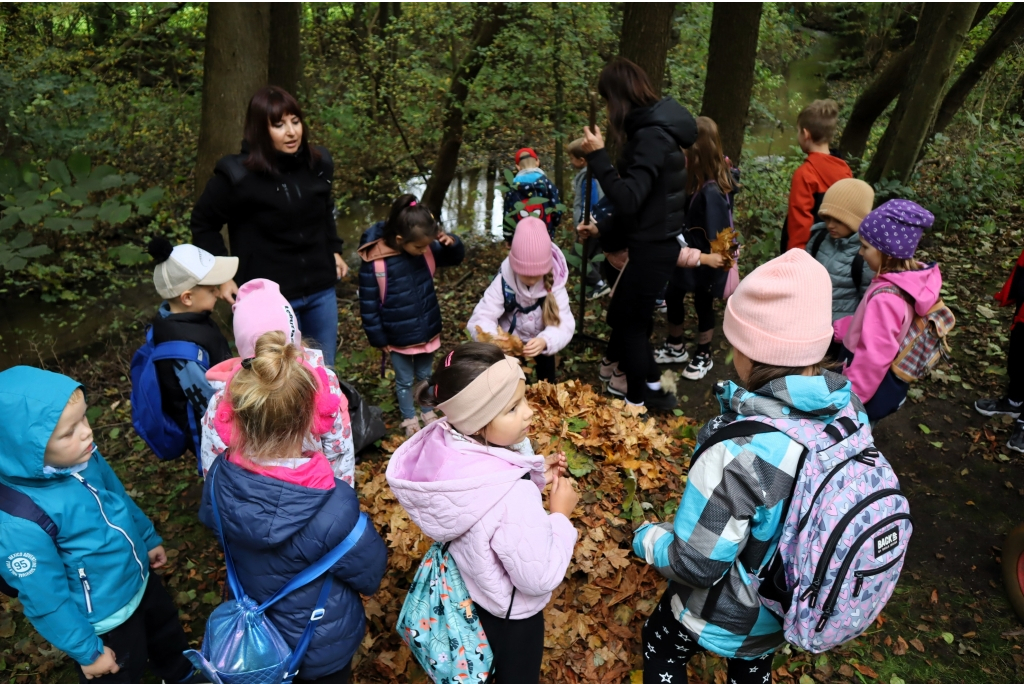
(895, 227)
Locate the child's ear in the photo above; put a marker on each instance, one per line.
(186, 298)
(399, 240)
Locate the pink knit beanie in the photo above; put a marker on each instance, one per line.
(531, 248)
(781, 313)
(260, 308)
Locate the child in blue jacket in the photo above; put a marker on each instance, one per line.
(397, 301)
(88, 589)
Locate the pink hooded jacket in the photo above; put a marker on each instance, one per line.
(475, 496)
(489, 313)
(875, 330)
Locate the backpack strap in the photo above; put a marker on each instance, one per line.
(431, 261)
(181, 349)
(19, 505)
(818, 240)
(731, 431)
(857, 271)
(380, 272)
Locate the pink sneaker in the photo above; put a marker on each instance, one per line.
(617, 384)
(411, 426)
(607, 369)
(429, 417)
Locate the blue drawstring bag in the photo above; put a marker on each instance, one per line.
(241, 645)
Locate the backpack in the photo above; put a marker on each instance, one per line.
(163, 435)
(241, 645)
(20, 505)
(924, 342)
(856, 267)
(513, 307)
(845, 531)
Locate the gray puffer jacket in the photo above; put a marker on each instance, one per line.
(841, 259)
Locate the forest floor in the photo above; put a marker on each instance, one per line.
(949, 620)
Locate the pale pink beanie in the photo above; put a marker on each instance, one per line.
(531, 248)
(260, 308)
(781, 313)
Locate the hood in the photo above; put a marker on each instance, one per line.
(828, 167)
(559, 269)
(224, 372)
(923, 285)
(436, 471)
(31, 402)
(284, 508)
(667, 114)
(529, 176)
(372, 245)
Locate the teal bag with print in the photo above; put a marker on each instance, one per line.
(440, 625)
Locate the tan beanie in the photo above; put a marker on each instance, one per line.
(849, 200)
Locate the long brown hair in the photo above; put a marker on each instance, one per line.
(549, 314)
(705, 160)
(268, 106)
(894, 265)
(455, 371)
(624, 86)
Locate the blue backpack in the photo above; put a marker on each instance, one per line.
(20, 505)
(241, 645)
(159, 431)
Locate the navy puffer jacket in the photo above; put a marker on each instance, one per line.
(276, 529)
(410, 314)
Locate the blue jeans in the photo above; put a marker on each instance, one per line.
(410, 368)
(318, 320)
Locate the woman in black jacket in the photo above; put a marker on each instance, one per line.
(276, 199)
(648, 196)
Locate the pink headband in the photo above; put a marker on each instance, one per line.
(481, 401)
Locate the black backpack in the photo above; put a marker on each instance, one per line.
(856, 268)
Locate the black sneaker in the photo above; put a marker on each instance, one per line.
(990, 407)
(600, 290)
(698, 366)
(660, 400)
(1016, 441)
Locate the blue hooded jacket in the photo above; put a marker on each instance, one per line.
(277, 529)
(410, 314)
(102, 563)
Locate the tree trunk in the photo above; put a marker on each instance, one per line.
(646, 37)
(1006, 32)
(284, 65)
(885, 88)
(940, 35)
(732, 51)
(234, 67)
(492, 18)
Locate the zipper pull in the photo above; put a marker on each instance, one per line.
(858, 585)
(825, 616)
(812, 591)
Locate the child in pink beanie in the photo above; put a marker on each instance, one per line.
(260, 308)
(528, 298)
(725, 531)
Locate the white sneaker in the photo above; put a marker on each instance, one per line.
(660, 306)
(671, 354)
(600, 290)
(698, 367)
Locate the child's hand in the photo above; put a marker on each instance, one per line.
(534, 347)
(340, 267)
(445, 239)
(228, 291)
(555, 466)
(106, 663)
(592, 140)
(157, 557)
(586, 230)
(714, 260)
(563, 497)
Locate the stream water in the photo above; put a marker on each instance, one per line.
(31, 330)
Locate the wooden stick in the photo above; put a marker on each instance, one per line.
(584, 255)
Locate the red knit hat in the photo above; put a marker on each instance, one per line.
(531, 248)
(525, 152)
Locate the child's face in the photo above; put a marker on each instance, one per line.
(837, 229)
(513, 423)
(742, 364)
(71, 441)
(577, 162)
(872, 257)
(201, 298)
(415, 247)
(529, 281)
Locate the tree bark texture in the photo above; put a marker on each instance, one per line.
(1005, 34)
(940, 35)
(732, 52)
(234, 67)
(646, 37)
(880, 93)
(284, 65)
(491, 20)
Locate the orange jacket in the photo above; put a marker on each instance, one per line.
(810, 181)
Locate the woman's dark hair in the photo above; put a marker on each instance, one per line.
(409, 220)
(268, 106)
(624, 86)
(455, 371)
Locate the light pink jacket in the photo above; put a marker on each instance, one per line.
(489, 313)
(877, 328)
(476, 497)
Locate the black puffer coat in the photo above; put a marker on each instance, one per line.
(647, 190)
(281, 225)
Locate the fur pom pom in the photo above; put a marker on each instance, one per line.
(160, 249)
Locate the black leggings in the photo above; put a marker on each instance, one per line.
(668, 647)
(518, 646)
(703, 302)
(631, 314)
(545, 367)
(151, 634)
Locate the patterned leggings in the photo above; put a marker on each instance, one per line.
(668, 647)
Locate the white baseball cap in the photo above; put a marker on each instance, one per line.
(189, 266)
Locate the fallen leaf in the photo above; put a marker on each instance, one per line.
(900, 648)
(866, 670)
(846, 671)
(948, 637)
(970, 634)
(935, 596)
(723, 245)
(924, 429)
(510, 344)
(918, 645)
